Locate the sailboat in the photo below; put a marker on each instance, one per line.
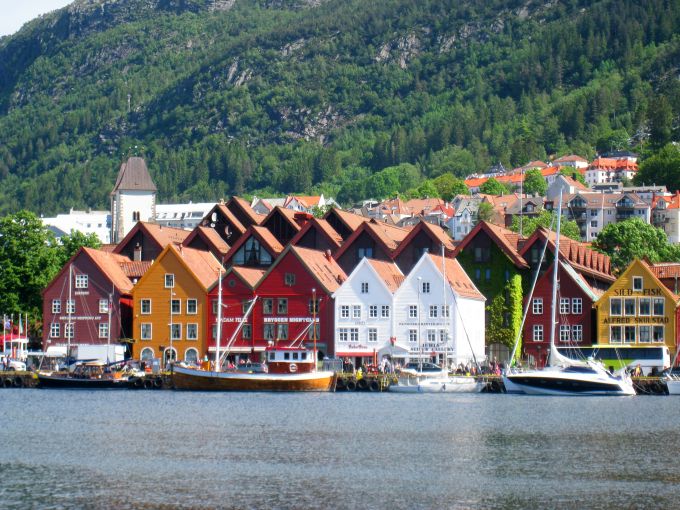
(562, 375)
(411, 381)
(289, 368)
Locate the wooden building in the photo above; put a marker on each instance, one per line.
(423, 238)
(146, 240)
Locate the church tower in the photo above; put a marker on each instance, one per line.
(133, 198)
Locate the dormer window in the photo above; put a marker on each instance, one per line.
(169, 281)
(289, 279)
(637, 283)
(81, 281)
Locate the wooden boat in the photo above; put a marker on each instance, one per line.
(287, 369)
(87, 375)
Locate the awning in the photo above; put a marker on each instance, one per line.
(55, 351)
(396, 350)
(355, 354)
(238, 350)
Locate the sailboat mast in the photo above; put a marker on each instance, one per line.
(445, 314)
(108, 330)
(69, 328)
(219, 322)
(556, 261)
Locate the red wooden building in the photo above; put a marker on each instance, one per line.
(296, 290)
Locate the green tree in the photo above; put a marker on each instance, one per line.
(661, 168)
(71, 243)
(493, 187)
(574, 174)
(568, 228)
(505, 315)
(630, 239)
(28, 262)
(534, 183)
(485, 211)
(449, 186)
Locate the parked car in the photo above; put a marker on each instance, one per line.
(12, 365)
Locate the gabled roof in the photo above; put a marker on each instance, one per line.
(222, 209)
(135, 269)
(322, 226)
(581, 256)
(307, 202)
(110, 265)
(388, 272)
(613, 164)
(210, 237)
(593, 294)
(249, 275)
(350, 220)
(266, 238)
(507, 240)
(435, 232)
(288, 214)
(423, 205)
(388, 236)
(322, 267)
(247, 209)
(134, 176)
(201, 265)
(674, 297)
(665, 269)
(394, 206)
(569, 158)
(162, 236)
(458, 279)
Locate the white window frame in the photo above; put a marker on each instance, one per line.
(169, 281)
(364, 287)
(564, 305)
(372, 335)
(647, 300)
(446, 311)
(636, 280)
(663, 306)
(412, 311)
(565, 330)
(56, 306)
(354, 335)
(385, 311)
(626, 338)
(70, 306)
(103, 330)
(344, 311)
(641, 336)
(142, 302)
(145, 327)
(192, 326)
(373, 311)
(69, 330)
(343, 335)
(612, 340)
(613, 300)
(655, 328)
(425, 287)
(356, 311)
(576, 306)
(176, 331)
(413, 335)
(54, 330)
(537, 333)
(537, 306)
(82, 281)
(191, 301)
(626, 301)
(434, 311)
(577, 333)
(103, 306)
(175, 310)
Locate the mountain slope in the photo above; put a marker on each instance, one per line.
(299, 96)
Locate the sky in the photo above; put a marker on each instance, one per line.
(14, 13)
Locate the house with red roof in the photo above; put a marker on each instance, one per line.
(146, 241)
(89, 302)
(225, 223)
(317, 234)
(423, 238)
(344, 222)
(243, 212)
(571, 160)
(295, 300)
(285, 223)
(256, 248)
(207, 239)
(666, 215)
(606, 170)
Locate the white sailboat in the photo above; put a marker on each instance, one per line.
(562, 375)
(410, 381)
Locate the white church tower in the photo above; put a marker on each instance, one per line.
(133, 198)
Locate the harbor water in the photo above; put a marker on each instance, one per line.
(164, 449)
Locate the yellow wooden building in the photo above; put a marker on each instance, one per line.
(637, 310)
(169, 305)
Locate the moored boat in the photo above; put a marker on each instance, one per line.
(288, 369)
(410, 382)
(86, 375)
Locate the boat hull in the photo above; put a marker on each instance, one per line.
(61, 381)
(203, 380)
(546, 383)
(673, 386)
(439, 385)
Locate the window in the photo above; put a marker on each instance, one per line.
(246, 332)
(70, 306)
(426, 287)
(268, 331)
(412, 311)
(629, 306)
(103, 330)
(69, 330)
(169, 281)
(344, 311)
(629, 334)
(192, 331)
(372, 335)
(412, 335)
(385, 311)
(478, 274)
(577, 333)
(214, 306)
(431, 336)
(81, 281)
(446, 311)
(593, 223)
(145, 306)
(577, 306)
(176, 331)
(103, 306)
(191, 355)
(314, 332)
(364, 287)
(245, 304)
(645, 305)
(282, 306)
(537, 306)
(176, 307)
(442, 336)
(564, 333)
(614, 306)
(342, 334)
(145, 333)
(313, 306)
(637, 283)
(564, 305)
(54, 330)
(657, 334)
(538, 333)
(478, 254)
(56, 306)
(615, 335)
(365, 252)
(214, 331)
(268, 306)
(356, 311)
(192, 306)
(289, 279)
(645, 334)
(282, 332)
(487, 274)
(658, 306)
(433, 311)
(353, 334)
(373, 311)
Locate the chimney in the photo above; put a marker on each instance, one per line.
(328, 255)
(138, 253)
(180, 250)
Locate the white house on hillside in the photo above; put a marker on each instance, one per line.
(133, 198)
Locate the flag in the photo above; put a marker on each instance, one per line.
(21, 326)
(6, 323)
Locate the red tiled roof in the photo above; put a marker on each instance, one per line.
(323, 268)
(263, 235)
(210, 236)
(457, 277)
(110, 265)
(424, 205)
(135, 268)
(665, 269)
(245, 206)
(507, 240)
(389, 272)
(613, 164)
(202, 264)
(321, 225)
(162, 236)
(435, 232)
(249, 275)
(231, 217)
(571, 157)
(352, 221)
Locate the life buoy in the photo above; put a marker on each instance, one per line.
(148, 384)
(7, 382)
(374, 386)
(157, 383)
(18, 382)
(351, 385)
(362, 384)
(340, 385)
(138, 383)
(293, 368)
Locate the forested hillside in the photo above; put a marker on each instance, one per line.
(348, 97)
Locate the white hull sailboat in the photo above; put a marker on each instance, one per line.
(562, 375)
(411, 383)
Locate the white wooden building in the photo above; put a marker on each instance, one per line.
(434, 315)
